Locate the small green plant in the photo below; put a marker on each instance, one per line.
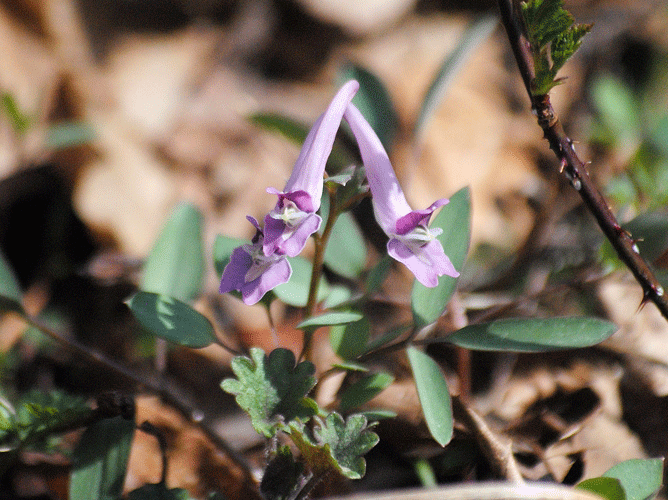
(553, 39)
(307, 442)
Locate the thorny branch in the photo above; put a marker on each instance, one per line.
(574, 169)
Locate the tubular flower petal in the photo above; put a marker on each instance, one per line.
(294, 218)
(411, 242)
(253, 273)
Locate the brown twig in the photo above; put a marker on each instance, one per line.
(153, 384)
(496, 448)
(574, 169)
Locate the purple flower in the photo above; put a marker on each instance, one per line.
(252, 272)
(294, 218)
(411, 242)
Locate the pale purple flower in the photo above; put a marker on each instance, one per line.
(411, 242)
(294, 218)
(252, 272)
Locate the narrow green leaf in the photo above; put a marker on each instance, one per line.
(425, 473)
(641, 479)
(21, 122)
(346, 250)
(532, 334)
(175, 266)
(272, 389)
(330, 318)
(288, 128)
(350, 366)
(171, 319)
(375, 415)
(455, 220)
(474, 36)
(364, 390)
(387, 337)
(605, 487)
(295, 291)
(11, 298)
(434, 395)
(100, 460)
(374, 102)
(349, 340)
(296, 132)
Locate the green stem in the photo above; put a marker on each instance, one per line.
(318, 260)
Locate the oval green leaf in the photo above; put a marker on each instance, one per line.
(532, 334)
(337, 297)
(100, 460)
(434, 395)
(455, 221)
(175, 266)
(295, 291)
(606, 487)
(330, 318)
(641, 479)
(349, 341)
(11, 297)
(346, 251)
(171, 319)
(364, 390)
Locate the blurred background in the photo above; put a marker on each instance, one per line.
(115, 111)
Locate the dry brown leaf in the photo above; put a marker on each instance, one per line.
(193, 462)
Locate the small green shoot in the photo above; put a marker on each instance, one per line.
(554, 38)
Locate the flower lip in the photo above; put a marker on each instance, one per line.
(411, 241)
(253, 273)
(289, 225)
(417, 218)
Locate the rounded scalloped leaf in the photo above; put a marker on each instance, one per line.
(272, 389)
(335, 443)
(533, 334)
